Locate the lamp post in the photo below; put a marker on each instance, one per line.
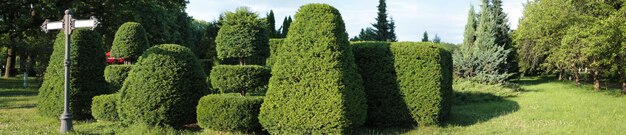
(68, 24)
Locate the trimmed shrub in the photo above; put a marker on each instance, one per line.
(129, 42)
(274, 44)
(315, 87)
(229, 112)
(86, 75)
(163, 87)
(115, 76)
(385, 105)
(242, 35)
(235, 78)
(103, 107)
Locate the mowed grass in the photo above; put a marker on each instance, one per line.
(544, 107)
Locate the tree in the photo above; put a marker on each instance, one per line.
(425, 37)
(272, 25)
(16, 17)
(242, 35)
(368, 34)
(130, 42)
(503, 36)
(392, 30)
(285, 27)
(436, 39)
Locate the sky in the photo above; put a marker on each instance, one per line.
(446, 18)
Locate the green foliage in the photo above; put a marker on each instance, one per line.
(103, 107)
(285, 27)
(368, 34)
(315, 87)
(163, 87)
(115, 76)
(275, 44)
(425, 37)
(242, 35)
(238, 78)
(229, 112)
(86, 75)
(272, 25)
(130, 41)
(467, 92)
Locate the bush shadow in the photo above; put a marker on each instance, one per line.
(483, 107)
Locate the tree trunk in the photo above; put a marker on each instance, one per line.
(243, 92)
(577, 78)
(560, 75)
(10, 63)
(624, 88)
(596, 80)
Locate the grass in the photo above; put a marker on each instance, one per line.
(545, 106)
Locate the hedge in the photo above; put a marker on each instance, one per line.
(229, 112)
(242, 35)
(129, 42)
(234, 78)
(423, 74)
(163, 87)
(385, 105)
(115, 76)
(103, 107)
(86, 75)
(274, 44)
(315, 87)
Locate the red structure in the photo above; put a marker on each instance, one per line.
(112, 60)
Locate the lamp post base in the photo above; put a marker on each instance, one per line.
(66, 122)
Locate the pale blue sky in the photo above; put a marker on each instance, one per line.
(446, 18)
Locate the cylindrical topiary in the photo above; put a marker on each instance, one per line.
(315, 87)
(229, 112)
(242, 35)
(129, 42)
(103, 107)
(86, 75)
(115, 76)
(238, 78)
(163, 87)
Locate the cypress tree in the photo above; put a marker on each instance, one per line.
(272, 25)
(425, 37)
(285, 27)
(470, 28)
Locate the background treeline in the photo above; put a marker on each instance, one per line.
(575, 39)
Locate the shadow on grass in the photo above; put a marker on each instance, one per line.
(473, 113)
(17, 92)
(534, 80)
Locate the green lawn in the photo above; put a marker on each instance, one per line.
(545, 107)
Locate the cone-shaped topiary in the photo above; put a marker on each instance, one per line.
(129, 42)
(163, 87)
(242, 35)
(86, 75)
(315, 87)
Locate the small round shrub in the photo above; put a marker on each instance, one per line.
(163, 87)
(103, 107)
(229, 112)
(129, 42)
(87, 63)
(242, 35)
(235, 78)
(115, 76)
(315, 87)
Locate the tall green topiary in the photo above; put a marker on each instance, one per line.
(86, 75)
(115, 76)
(242, 35)
(130, 41)
(163, 87)
(315, 87)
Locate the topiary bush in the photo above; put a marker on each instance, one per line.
(115, 76)
(385, 104)
(315, 87)
(103, 107)
(424, 72)
(229, 112)
(242, 35)
(163, 87)
(86, 76)
(274, 44)
(129, 42)
(235, 78)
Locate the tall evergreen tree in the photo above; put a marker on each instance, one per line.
(272, 25)
(470, 28)
(436, 39)
(489, 56)
(382, 25)
(425, 37)
(285, 28)
(503, 36)
(463, 58)
(392, 30)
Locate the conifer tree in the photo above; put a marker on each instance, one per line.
(272, 25)
(425, 37)
(392, 30)
(285, 28)
(503, 36)
(436, 39)
(489, 56)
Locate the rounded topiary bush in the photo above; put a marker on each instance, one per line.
(229, 112)
(235, 78)
(163, 87)
(86, 75)
(315, 87)
(115, 76)
(241, 36)
(129, 42)
(103, 107)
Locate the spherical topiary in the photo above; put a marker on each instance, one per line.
(235, 78)
(229, 112)
(104, 108)
(163, 87)
(115, 76)
(315, 87)
(129, 42)
(86, 75)
(242, 35)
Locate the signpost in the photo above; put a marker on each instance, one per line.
(68, 24)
